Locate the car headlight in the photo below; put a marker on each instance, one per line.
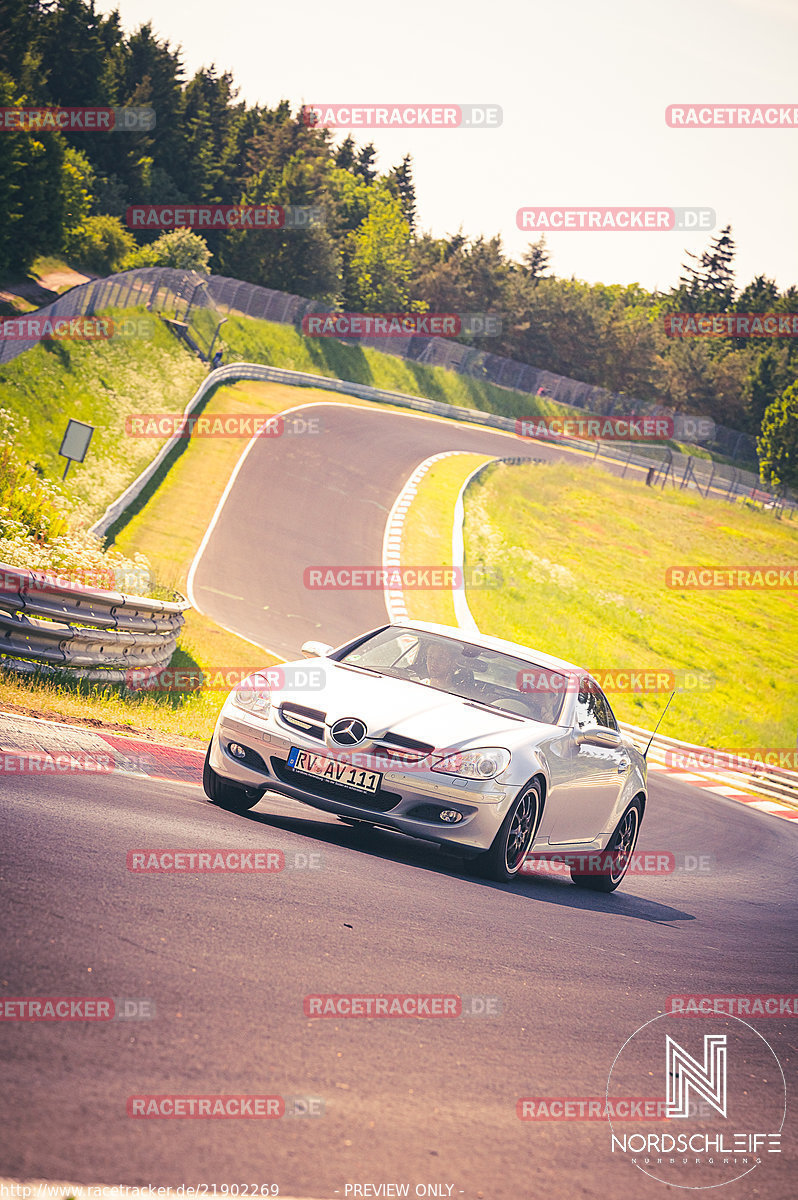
(254, 694)
(484, 763)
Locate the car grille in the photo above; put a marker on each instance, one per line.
(422, 749)
(309, 721)
(379, 802)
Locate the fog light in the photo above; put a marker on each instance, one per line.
(451, 816)
(236, 750)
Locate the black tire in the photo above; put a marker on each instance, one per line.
(511, 844)
(229, 796)
(620, 847)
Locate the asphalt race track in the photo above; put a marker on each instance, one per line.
(226, 959)
(321, 500)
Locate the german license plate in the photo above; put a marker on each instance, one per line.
(345, 775)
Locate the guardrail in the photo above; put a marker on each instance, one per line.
(775, 782)
(265, 373)
(200, 300)
(262, 372)
(50, 625)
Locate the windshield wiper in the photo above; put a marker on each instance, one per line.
(490, 708)
(354, 667)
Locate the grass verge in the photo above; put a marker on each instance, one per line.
(100, 383)
(167, 527)
(252, 340)
(427, 533)
(586, 554)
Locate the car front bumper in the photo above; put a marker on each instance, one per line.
(409, 800)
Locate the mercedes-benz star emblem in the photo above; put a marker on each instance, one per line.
(348, 731)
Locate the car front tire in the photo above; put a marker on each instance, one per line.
(517, 831)
(621, 846)
(227, 795)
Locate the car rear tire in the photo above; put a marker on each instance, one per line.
(517, 831)
(621, 846)
(227, 795)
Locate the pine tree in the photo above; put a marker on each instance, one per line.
(708, 281)
(400, 184)
(536, 258)
(364, 164)
(345, 154)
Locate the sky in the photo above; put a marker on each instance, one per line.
(583, 86)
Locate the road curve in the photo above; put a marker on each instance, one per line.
(320, 500)
(227, 959)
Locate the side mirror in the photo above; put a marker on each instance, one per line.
(599, 735)
(316, 650)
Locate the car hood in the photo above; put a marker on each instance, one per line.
(409, 709)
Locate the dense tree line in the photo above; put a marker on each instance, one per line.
(68, 192)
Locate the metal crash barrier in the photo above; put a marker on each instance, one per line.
(49, 624)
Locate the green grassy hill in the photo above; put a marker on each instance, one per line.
(585, 556)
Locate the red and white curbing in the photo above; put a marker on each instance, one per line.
(61, 749)
(47, 749)
(392, 541)
(726, 786)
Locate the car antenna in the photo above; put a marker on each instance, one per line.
(656, 727)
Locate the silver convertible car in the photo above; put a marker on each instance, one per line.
(490, 749)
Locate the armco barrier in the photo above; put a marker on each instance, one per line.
(775, 782)
(48, 624)
(268, 374)
(198, 301)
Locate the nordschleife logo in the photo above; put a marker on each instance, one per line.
(723, 1102)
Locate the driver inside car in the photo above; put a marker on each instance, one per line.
(442, 668)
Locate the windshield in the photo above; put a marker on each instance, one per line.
(510, 684)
